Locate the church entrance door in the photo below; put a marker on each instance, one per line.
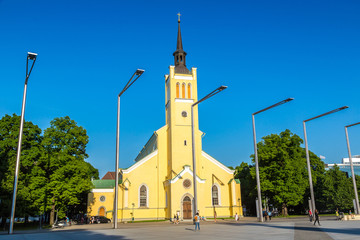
(187, 208)
(102, 211)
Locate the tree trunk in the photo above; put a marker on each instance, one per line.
(52, 213)
(284, 210)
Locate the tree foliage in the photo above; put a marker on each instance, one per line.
(338, 190)
(68, 174)
(53, 171)
(31, 179)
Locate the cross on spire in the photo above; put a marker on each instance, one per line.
(180, 54)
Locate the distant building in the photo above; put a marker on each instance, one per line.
(345, 165)
(109, 176)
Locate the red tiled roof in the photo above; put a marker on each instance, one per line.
(109, 176)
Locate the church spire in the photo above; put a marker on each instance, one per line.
(180, 54)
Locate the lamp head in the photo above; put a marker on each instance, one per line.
(31, 56)
(139, 72)
(222, 87)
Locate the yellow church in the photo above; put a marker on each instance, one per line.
(160, 183)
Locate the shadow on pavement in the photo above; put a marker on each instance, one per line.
(303, 227)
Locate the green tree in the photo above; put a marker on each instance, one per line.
(248, 186)
(69, 176)
(338, 191)
(31, 180)
(282, 167)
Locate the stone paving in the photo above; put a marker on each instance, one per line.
(298, 229)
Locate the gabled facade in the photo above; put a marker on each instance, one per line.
(160, 183)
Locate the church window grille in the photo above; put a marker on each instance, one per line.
(177, 90)
(215, 195)
(183, 90)
(187, 183)
(143, 196)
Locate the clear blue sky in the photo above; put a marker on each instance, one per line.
(265, 51)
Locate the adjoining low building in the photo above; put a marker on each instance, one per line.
(160, 183)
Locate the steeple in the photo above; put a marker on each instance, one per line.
(180, 54)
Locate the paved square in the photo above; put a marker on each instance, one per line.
(279, 230)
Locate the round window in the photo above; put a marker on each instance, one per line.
(187, 183)
(184, 113)
(102, 199)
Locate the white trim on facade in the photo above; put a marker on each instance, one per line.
(184, 100)
(100, 190)
(140, 162)
(183, 77)
(186, 170)
(217, 163)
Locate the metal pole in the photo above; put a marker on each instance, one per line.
(257, 172)
(31, 56)
(18, 161)
(352, 172)
(117, 165)
(194, 160)
(309, 171)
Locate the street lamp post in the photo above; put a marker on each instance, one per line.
(32, 57)
(308, 158)
(256, 155)
(216, 91)
(137, 73)
(352, 168)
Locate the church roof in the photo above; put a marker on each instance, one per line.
(150, 147)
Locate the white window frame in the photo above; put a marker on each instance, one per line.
(219, 194)
(147, 195)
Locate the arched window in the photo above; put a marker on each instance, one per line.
(183, 90)
(143, 196)
(215, 195)
(189, 90)
(177, 90)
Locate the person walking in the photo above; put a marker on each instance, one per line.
(197, 221)
(337, 214)
(269, 215)
(317, 217)
(310, 215)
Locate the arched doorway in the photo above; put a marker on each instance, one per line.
(102, 211)
(187, 208)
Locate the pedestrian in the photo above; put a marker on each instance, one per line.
(177, 218)
(67, 220)
(317, 217)
(310, 215)
(337, 214)
(265, 215)
(215, 215)
(197, 221)
(236, 217)
(269, 214)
